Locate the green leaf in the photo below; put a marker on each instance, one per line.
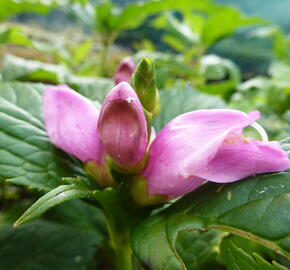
(15, 68)
(199, 250)
(255, 208)
(95, 89)
(181, 32)
(231, 19)
(54, 197)
(286, 145)
(180, 99)
(26, 155)
(46, 245)
(14, 35)
(238, 258)
(78, 214)
(12, 7)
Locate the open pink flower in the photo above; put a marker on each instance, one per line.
(122, 126)
(125, 70)
(208, 145)
(71, 123)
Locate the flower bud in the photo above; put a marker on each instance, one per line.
(125, 71)
(122, 128)
(144, 83)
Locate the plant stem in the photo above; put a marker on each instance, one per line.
(106, 42)
(119, 221)
(103, 57)
(120, 242)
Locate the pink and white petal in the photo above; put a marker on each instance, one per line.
(71, 123)
(235, 161)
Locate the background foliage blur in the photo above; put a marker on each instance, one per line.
(208, 54)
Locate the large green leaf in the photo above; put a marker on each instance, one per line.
(256, 208)
(95, 89)
(224, 23)
(199, 250)
(26, 155)
(13, 7)
(180, 99)
(46, 245)
(237, 257)
(56, 196)
(15, 68)
(127, 19)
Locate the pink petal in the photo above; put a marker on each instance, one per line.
(71, 123)
(123, 127)
(237, 160)
(186, 145)
(124, 71)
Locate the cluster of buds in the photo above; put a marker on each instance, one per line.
(195, 147)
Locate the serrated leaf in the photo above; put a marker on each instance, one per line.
(181, 99)
(46, 245)
(256, 208)
(26, 155)
(199, 250)
(237, 258)
(54, 197)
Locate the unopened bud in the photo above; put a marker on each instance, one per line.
(125, 70)
(144, 83)
(123, 128)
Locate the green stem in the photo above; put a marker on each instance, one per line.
(119, 220)
(120, 242)
(103, 57)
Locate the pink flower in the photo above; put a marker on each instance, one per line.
(208, 145)
(122, 126)
(71, 123)
(124, 71)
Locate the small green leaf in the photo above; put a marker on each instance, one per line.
(237, 258)
(54, 197)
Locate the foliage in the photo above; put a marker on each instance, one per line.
(242, 225)
(254, 209)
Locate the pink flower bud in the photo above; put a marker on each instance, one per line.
(122, 127)
(71, 123)
(124, 71)
(208, 145)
